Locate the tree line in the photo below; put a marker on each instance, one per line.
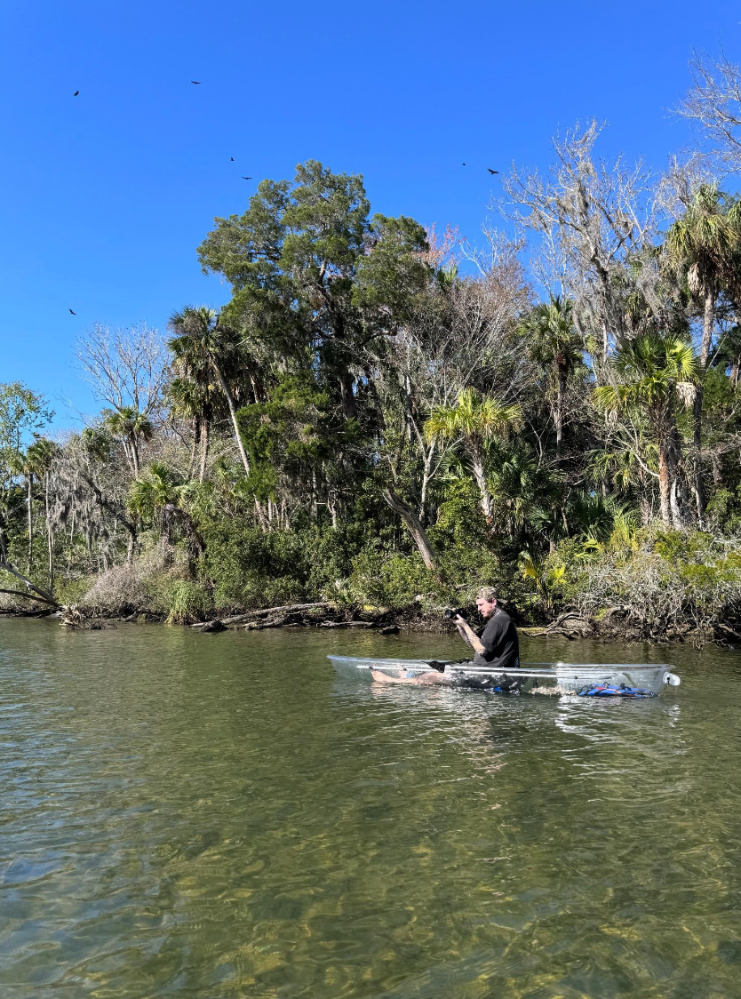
(383, 412)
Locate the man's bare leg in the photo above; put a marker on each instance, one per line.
(434, 679)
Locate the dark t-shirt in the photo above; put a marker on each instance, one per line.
(501, 646)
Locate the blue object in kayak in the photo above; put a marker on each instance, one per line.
(607, 690)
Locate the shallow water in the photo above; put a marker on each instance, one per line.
(210, 816)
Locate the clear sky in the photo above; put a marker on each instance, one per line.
(105, 196)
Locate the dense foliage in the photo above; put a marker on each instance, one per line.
(384, 416)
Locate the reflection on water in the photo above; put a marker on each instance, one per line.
(224, 816)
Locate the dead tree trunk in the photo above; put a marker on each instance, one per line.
(415, 528)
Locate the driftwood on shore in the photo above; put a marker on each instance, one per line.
(72, 617)
(319, 613)
(568, 625)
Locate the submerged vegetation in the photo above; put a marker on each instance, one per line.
(383, 415)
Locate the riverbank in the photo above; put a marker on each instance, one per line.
(619, 623)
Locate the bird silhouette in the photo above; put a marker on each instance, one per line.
(246, 178)
(231, 158)
(492, 171)
(76, 93)
(464, 164)
(197, 82)
(72, 313)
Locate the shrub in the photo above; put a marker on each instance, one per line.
(127, 588)
(387, 578)
(188, 602)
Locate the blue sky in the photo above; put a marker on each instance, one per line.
(105, 196)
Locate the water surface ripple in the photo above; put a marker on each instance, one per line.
(222, 816)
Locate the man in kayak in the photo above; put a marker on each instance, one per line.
(496, 647)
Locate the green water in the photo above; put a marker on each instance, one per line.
(210, 816)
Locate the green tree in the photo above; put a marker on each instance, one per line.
(132, 427)
(702, 247)
(654, 375)
(161, 496)
(552, 340)
(22, 413)
(313, 276)
(41, 455)
(201, 341)
(471, 423)
(33, 464)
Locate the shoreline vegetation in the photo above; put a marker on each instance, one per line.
(385, 417)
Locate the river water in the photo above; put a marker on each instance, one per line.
(222, 816)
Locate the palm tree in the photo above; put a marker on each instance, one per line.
(472, 422)
(655, 375)
(200, 339)
(161, 495)
(39, 457)
(133, 426)
(553, 341)
(32, 465)
(193, 398)
(701, 247)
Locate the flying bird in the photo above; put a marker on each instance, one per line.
(197, 82)
(72, 313)
(231, 158)
(76, 93)
(492, 171)
(464, 164)
(246, 178)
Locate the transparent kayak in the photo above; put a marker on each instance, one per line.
(567, 677)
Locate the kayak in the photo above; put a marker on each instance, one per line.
(570, 678)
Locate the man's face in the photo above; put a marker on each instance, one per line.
(486, 607)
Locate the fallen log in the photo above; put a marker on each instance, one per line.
(730, 631)
(348, 624)
(265, 612)
(43, 595)
(31, 596)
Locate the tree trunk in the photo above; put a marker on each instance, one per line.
(49, 533)
(708, 320)
(349, 406)
(717, 471)
(314, 505)
(415, 528)
(645, 508)
(486, 502)
(135, 456)
(233, 413)
(707, 336)
(194, 447)
(665, 485)
(8, 567)
(260, 515)
(29, 480)
(561, 393)
(697, 453)
(205, 437)
(426, 478)
(676, 505)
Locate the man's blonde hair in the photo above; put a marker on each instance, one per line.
(487, 593)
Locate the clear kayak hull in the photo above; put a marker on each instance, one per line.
(567, 677)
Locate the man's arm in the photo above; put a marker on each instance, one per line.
(470, 635)
(462, 633)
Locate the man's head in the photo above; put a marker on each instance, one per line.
(486, 601)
